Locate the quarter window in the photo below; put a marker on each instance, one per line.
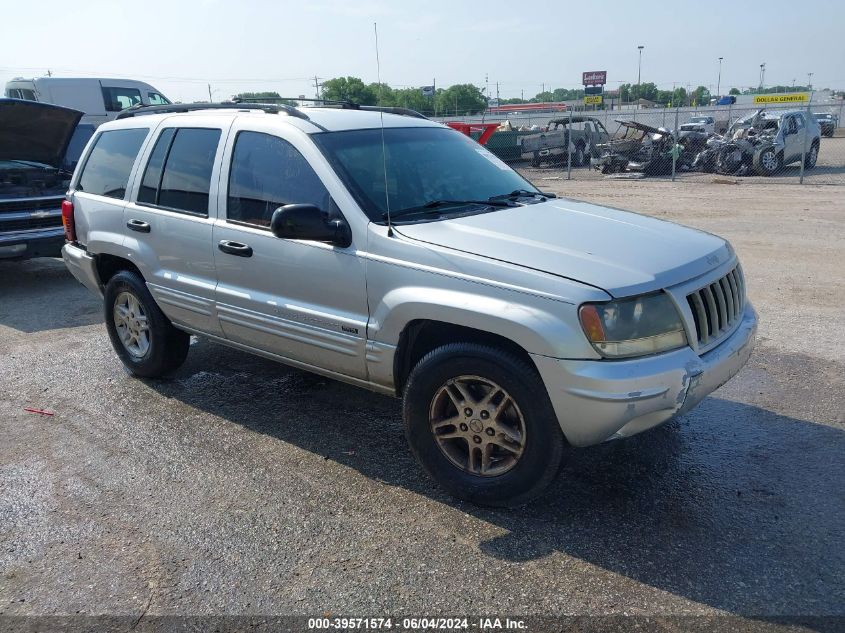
(268, 172)
(178, 174)
(156, 99)
(117, 99)
(107, 168)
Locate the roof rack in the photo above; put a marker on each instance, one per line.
(271, 108)
(337, 103)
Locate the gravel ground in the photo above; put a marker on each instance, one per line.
(242, 487)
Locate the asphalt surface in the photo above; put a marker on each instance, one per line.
(239, 486)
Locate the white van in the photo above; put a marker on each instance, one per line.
(99, 99)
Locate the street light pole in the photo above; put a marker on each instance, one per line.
(809, 81)
(762, 74)
(719, 81)
(639, 68)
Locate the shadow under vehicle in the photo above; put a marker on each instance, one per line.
(579, 135)
(763, 143)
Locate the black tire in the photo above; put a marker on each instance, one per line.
(812, 156)
(167, 347)
(543, 443)
(535, 162)
(769, 162)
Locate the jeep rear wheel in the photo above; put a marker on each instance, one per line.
(480, 422)
(140, 334)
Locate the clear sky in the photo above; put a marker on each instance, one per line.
(180, 46)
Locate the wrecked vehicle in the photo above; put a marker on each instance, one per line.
(577, 134)
(39, 147)
(706, 124)
(639, 147)
(762, 143)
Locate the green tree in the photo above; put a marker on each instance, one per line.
(461, 99)
(700, 96)
(734, 91)
(264, 97)
(349, 89)
(414, 99)
(384, 94)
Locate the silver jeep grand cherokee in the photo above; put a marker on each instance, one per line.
(393, 253)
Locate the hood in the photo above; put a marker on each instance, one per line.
(37, 132)
(621, 252)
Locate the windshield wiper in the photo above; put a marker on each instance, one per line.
(433, 206)
(522, 193)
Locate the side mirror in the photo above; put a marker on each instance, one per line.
(309, 222)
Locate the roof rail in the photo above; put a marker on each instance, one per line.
(340, 103)
(394, 110)
(271, 108)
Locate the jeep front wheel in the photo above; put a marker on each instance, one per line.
(480, 422)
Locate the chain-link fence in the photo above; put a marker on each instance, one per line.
(802, 143)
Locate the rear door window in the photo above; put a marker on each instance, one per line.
(107, 168)
(178, 174)
(117, 99)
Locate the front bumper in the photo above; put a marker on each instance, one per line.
(599, 400)
(27, 244)
(83, 267)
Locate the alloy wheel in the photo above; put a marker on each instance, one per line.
(477, 426)
(130, 321)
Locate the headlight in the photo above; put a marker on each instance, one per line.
(633, 327)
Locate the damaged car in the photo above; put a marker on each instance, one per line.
(638, 147)
(40, 145)
(762, 143)
(566, 139)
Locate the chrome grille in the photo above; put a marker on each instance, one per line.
(717, 307)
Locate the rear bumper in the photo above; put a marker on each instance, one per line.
(28, 244)
(82, 266)
(600, 400)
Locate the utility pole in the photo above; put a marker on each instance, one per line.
(719, 81)
(762, 74)
(810, 81)
(317, 85)
(210, 100)
(497, 92)
(522, 94)
(49, 73)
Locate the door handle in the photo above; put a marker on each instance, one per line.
(138, 225)
(235, 248)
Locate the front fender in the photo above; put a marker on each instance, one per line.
(539, 326)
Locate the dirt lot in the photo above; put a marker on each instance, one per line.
(242, 487)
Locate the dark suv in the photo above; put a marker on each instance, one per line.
(40, 145)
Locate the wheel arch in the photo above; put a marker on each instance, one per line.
(421, 336)
(109, 265)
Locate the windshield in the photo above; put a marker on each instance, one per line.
(424, 164)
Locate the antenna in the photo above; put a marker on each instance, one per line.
(383, 150)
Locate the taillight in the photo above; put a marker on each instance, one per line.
(67, 220)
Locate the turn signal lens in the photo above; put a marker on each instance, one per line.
(591, 322)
